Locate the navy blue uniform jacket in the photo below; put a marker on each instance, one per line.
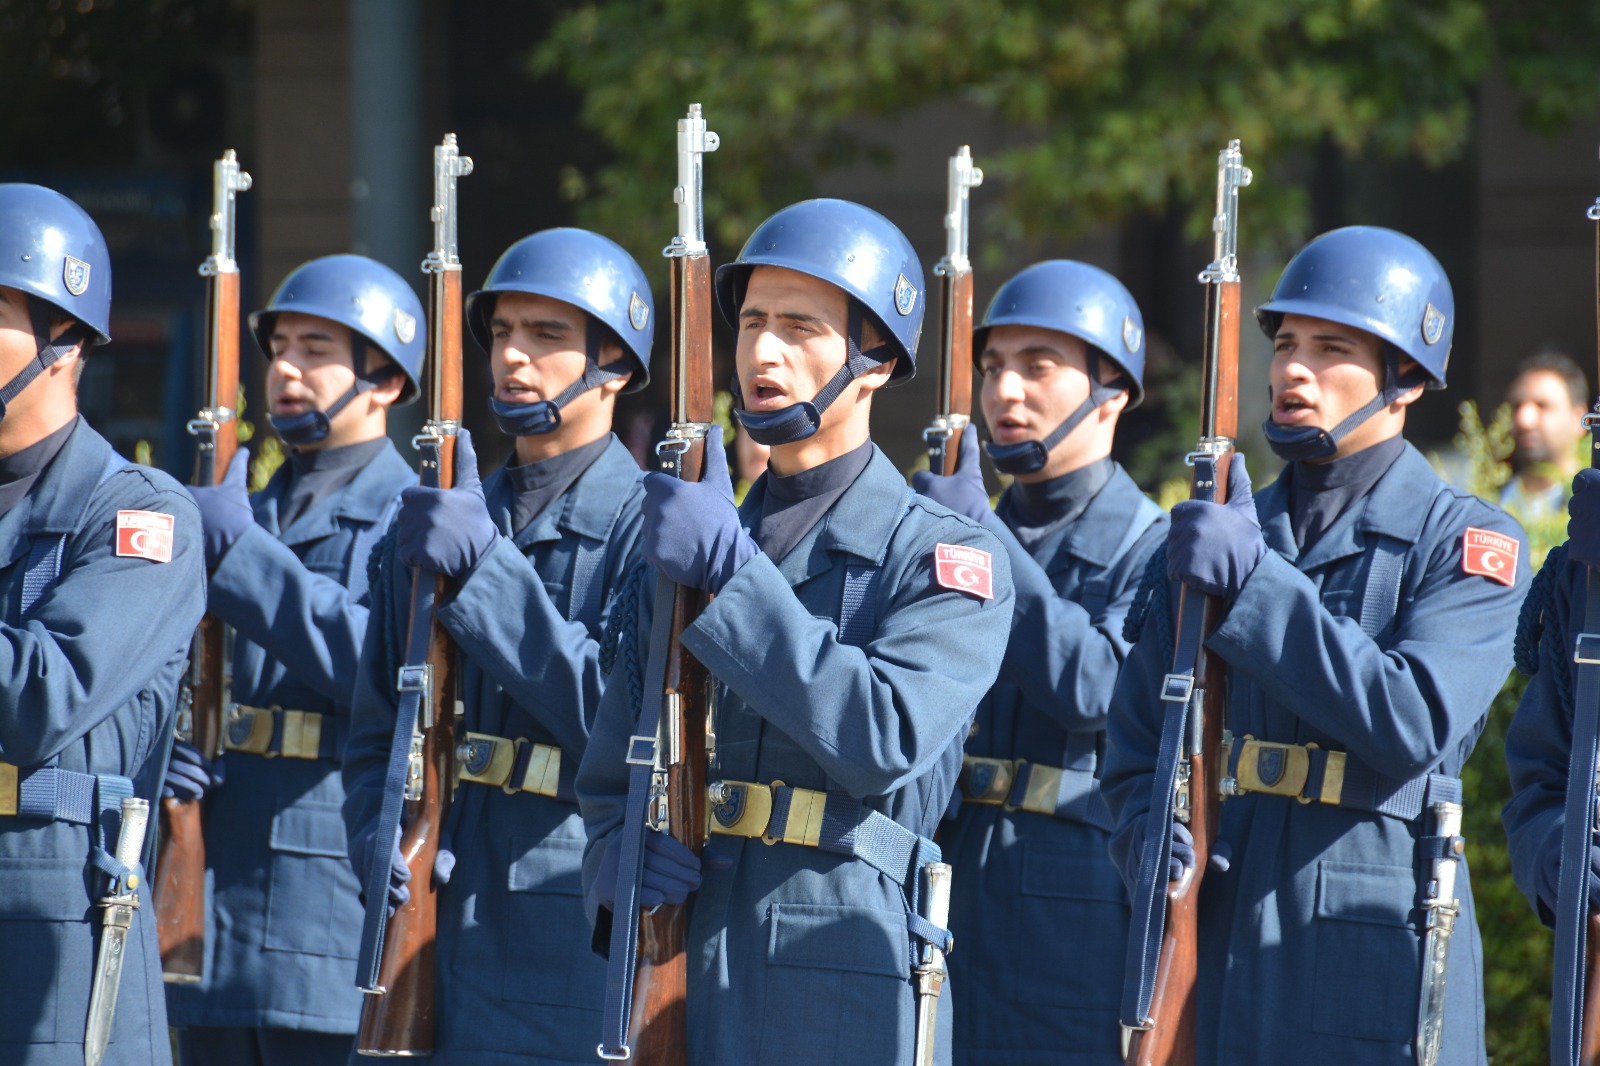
(91, 678)
(517, 981)
(795, 954)
(1311, 942)
(284, 914)
(1539, 740)
(1042, 912)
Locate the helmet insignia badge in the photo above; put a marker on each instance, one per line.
(1131, 334)
(638, 312)
(1432, 324)
(905, 295)
(75, 275)
(405, 326)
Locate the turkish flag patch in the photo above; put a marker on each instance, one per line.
(145, 535)
(1491, 555)
(969, 570)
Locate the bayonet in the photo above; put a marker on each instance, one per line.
(1442, 907)
(118, 910)
(930, 972)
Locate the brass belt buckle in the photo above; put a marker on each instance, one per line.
(8, 788)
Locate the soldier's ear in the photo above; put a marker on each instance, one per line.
(1409, 370)
(876, 377)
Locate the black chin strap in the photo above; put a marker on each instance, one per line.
(47, 351)
(1030, 456)
(543, 416)
(313, 426)
(801, 420)
(1311, 444)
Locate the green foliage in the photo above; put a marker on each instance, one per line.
(1110, 108)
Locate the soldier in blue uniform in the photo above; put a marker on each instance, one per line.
(1542, 743)
(101, 571)
(536, 553)
(1041, 910)
(1370, 607)
(344, 340)
(853, 629)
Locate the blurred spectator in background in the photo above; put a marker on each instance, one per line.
(1548, 398)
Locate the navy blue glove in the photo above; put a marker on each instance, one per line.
(691, 530)
(1216, 547)
(963, 491)
(190, 775)
(1583, 527)
(225, 508)
(444, 860)
(446, 531)
(1182, 857)
(671, 871)
(399, 872)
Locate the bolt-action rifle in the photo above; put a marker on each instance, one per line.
(1575, 1021)
(1161, 1028)
(655, 1033)
(955, 324)
(396, 967)
(180, 888)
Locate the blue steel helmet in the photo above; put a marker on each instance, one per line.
(364, 296)
(851, 246)
(51, 250)
(591, 272)
(1373, 279)
(1077, 299)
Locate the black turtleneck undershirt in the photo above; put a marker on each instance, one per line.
(793, 505)
(1320, 492)
(535, 486)
(316, 474)
(20, 470)
(1036, 511)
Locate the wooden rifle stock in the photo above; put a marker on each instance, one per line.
(943, 437)
(180, 886)
(1170, 1039)
(400, 1020)
(660, 989)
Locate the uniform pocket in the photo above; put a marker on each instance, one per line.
(838, 982)
(313, 890)
(1369, 955)
(1083, 898)
(545, 951)
(29, 980)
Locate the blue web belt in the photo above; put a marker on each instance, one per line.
(1572, 899)
(412, 685)
(622, 964)
(1180, 700)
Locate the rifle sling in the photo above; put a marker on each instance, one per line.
(622, 964)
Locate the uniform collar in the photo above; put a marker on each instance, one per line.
(859, 523)
(58, 500)
(1394, 507)
(60, 497)
(364, 500)
(588, 508)
(1095, 535)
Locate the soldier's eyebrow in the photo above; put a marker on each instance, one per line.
(558, 324)
(305, 334)
(791, 316)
